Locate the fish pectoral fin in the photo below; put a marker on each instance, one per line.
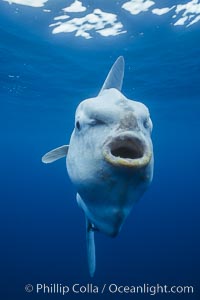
(115, 76)
(90, 247)
(55, 154)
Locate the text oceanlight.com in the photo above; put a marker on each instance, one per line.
(112, 288)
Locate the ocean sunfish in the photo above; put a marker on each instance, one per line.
(109, 158)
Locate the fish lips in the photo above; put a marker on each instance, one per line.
(127, 150)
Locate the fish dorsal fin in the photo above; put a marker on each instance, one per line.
(55, 154)
(115, 76)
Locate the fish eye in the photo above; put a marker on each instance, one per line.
(146, 123)
(78, 126)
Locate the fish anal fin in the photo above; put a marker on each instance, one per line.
(90, 247)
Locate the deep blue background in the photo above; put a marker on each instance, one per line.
(43, 230)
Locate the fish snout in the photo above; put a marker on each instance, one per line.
(128, 150)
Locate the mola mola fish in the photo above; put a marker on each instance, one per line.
(109, 158)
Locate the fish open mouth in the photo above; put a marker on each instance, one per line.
(127, 150)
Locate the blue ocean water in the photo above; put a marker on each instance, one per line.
(43, 79)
